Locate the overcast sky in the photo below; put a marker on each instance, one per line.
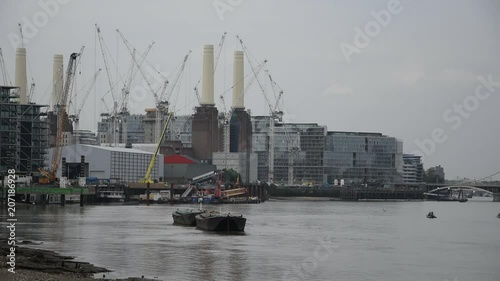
(413, 74)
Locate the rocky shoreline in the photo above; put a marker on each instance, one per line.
(36, 264)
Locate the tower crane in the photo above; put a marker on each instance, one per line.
(21, 34)
(124, 112)
(167, 92)
(5, 74)
(159, 105)
(133, 72)
(275, 116)
(110, 81)
(76, 117)
(32, 85)
(56, 155)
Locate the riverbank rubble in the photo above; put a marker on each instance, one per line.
(36, 264)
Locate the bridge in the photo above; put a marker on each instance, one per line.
(488, 189)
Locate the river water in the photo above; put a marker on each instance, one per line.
(283, 240)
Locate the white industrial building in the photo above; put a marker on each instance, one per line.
(124, 164)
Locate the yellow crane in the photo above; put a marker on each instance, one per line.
(147, 177)
(50, 176)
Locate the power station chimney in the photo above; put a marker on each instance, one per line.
(21, 79)
(57, 79)
(238, 80)
(207, 97)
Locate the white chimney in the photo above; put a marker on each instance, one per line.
(21, 79)
(207, 97)
(57, 79)
(238, 80)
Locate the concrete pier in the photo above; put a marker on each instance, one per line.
(496, 197)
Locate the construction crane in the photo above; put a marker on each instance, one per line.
(21, 34)
(275, 115)
(131, 49)
(133, 71)
(160, 105)
(147, 178)
(163, 100)
(227, 117)
(32, 91)
(5, 74)
(32, 85)
(166, 93)
(61, 113)
(114, 112)
(76, 117)
(217, 56)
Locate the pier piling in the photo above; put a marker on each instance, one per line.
(496, 197)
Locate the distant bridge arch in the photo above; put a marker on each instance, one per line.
(437, 190)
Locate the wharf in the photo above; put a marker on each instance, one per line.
(348, 194)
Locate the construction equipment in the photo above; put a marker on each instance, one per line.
(147, 177)
(161, 105)
(110, 81)
(76, 117)
(275, 117)
(61, 114)
(5, 74)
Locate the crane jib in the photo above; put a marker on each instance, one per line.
(147, 177)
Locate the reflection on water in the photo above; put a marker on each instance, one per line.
(390, 241)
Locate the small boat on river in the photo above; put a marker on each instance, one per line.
(431, 215)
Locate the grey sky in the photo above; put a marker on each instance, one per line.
(416, 68)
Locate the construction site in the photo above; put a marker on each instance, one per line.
(46, 144)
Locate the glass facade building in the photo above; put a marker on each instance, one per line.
(300, 145)
(362, 158)
(413, 169)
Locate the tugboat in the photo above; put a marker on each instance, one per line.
(215, 221)
(186, 216)
(431, 215)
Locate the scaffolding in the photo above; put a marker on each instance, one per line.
(23, 133)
